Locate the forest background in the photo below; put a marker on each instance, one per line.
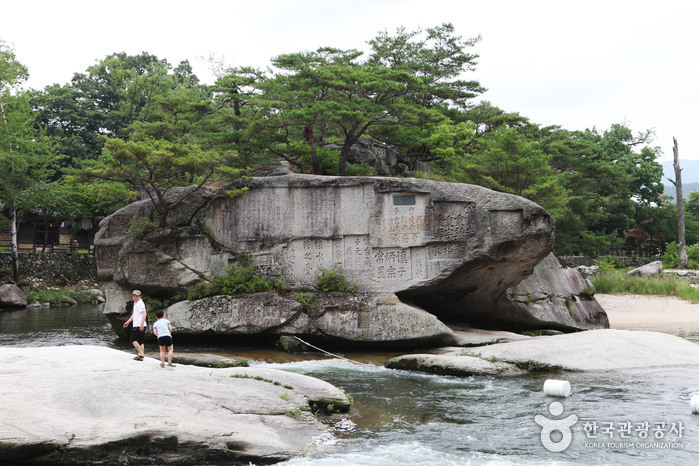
(137, 125)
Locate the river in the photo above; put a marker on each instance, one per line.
(626, 417)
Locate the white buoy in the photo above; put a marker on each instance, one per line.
(553, 387)
(694, 404)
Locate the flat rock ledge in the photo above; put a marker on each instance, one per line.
(592, 350)
(90, 404)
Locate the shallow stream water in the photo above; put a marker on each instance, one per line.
(629, 417)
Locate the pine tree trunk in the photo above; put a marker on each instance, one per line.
(308, 134)
(680, 208)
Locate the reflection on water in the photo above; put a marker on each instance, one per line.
(56, 326)
(411, 418)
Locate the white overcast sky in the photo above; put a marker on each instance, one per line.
(578, 64)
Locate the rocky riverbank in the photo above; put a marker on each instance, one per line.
(88, 404)
(628, 344)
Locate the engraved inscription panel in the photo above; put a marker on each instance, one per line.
(402, 219)
(304, 258)
(107, 256)
(319, 203)
(447, 251)
(299, 212)
(258, 214)
(356, 253)
(391, 264)
(454, 221)
(419, 263)
(506, 222)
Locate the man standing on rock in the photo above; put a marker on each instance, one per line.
(138, 317)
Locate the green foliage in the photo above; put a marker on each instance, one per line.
(307, 300)
(691, 206)
(155, 304)
(333, 279)
(672, 255)
(201, 290)
(615, 281)
(671, 258)
(133, 122)
(608, 263)
(296, 413)
(332, 95)
(363, 169)
(240, 278)
(57, 296)
(157, 165)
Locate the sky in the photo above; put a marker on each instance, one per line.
(576, 64)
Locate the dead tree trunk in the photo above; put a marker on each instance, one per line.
(14, 244)
(682, 245)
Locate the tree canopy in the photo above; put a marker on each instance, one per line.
(135, 125)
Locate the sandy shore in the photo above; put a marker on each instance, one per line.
(663, 314)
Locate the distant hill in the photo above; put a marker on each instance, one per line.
(690, 177)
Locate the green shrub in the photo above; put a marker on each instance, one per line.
(201, 290)
(362, 169)
(333, 279)
(609, 263)
(307, 300)
(5, 275)
(240, 279)
(57, 296)
(671, 258)
(155, 304)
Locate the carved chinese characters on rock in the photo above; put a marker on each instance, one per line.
(357, 252)
(506, 222)
(392, 264)
(403, 219)
(304, 258)
(454, 221)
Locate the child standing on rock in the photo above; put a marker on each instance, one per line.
(163, 331)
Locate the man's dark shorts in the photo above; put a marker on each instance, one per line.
(165, 341)
(137, 335)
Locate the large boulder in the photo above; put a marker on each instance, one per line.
(553, 297)
(383, 159)
(341, 318)
(96, 405)
(418, 250)
(652, 269)
(11, 296)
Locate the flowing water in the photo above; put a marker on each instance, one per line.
(629, 417)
